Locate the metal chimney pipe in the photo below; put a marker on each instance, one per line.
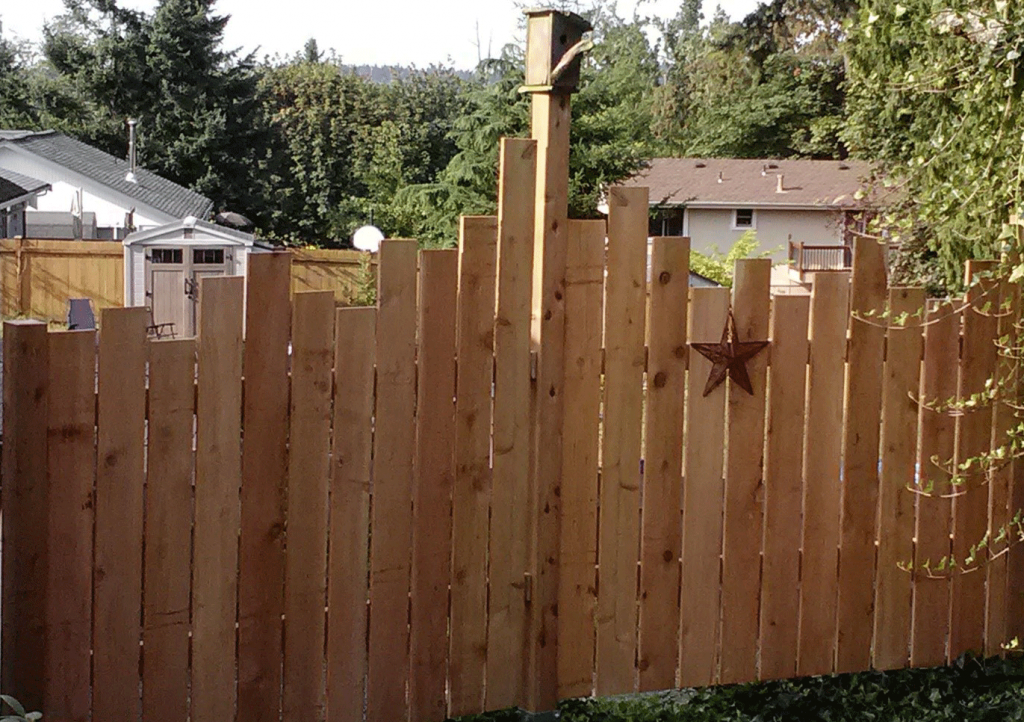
(130, 177)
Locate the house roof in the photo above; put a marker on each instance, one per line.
(190, 229)
(15, 186)
(754, 183)
(149, 188)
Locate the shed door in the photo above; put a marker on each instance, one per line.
(165, 288)
(205, 262)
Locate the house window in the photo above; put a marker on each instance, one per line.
(743, 219)
(165, 255)
(208, 255)
(666, 222)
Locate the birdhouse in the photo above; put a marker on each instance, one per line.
(554, 48)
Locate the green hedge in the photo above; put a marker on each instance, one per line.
(969, 691)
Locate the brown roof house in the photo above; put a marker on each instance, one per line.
(786, 203)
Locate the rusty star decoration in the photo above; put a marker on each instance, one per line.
(729, 357)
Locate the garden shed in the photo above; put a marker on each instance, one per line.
(163, 265)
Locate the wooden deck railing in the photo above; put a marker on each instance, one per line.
(807, 258)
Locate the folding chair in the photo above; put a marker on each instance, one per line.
(80, 315)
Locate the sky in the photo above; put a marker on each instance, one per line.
(385, 32)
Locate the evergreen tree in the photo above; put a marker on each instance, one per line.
(200, 122)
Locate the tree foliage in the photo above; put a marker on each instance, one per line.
(935, 95)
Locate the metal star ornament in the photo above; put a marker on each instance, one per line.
(729, 357)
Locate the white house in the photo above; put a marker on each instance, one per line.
(163, 265)
(714, 201)
(92, 194)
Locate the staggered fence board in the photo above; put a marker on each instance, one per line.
(550, 127)
(394, 446)
(217, 508)
(970, 505)
(898, 459)
(934, 505)
(619, 516)
(308, 468)
(264, 485)
(472, 484)
(744, 480)
(780, 598)
(584, 296)
(435, 457)
(25, 491)
(1001, 478)
(168, 561)
(661, 532)
(336, 465)
(117, 590)
(351, 473)
(703, 500)
(72, 462)
(510, 563)
(822, 450)
(860, 455)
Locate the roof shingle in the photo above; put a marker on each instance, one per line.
(753, 182)
(153, 190)
(15, 185)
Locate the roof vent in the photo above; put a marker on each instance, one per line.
(720, 178)
(700, 164)
(844, 166)
(764, 170)
(780, 186)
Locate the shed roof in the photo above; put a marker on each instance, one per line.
(15, 186)
(151, 189)
(753, 182)
(200, 231)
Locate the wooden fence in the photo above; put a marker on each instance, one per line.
(39, 276)
(335, 517)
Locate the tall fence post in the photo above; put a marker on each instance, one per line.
(25, 512)
(554, 45)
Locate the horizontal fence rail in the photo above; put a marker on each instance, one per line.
(332, 518)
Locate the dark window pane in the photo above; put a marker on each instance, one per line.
(208, 255)
(744, 217)
(166, 255)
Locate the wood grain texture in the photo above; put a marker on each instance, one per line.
(661, 533)
(508, 632)
(780, 598)
(25, 498)
(901, 389)
(72, 470)
(934, 506)
(822, 450)
(1001, 479)
(703, 498)
(268, 313)
(432, 496)
(117, 576)
(349, 556)
(868, 295)
(744, 480)
(619, 516)
(394, 444)
(168, 558)
(217, 508)
(550, 128)
(308, 469)
(472, 490)
(974, 437)
(577, 597)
